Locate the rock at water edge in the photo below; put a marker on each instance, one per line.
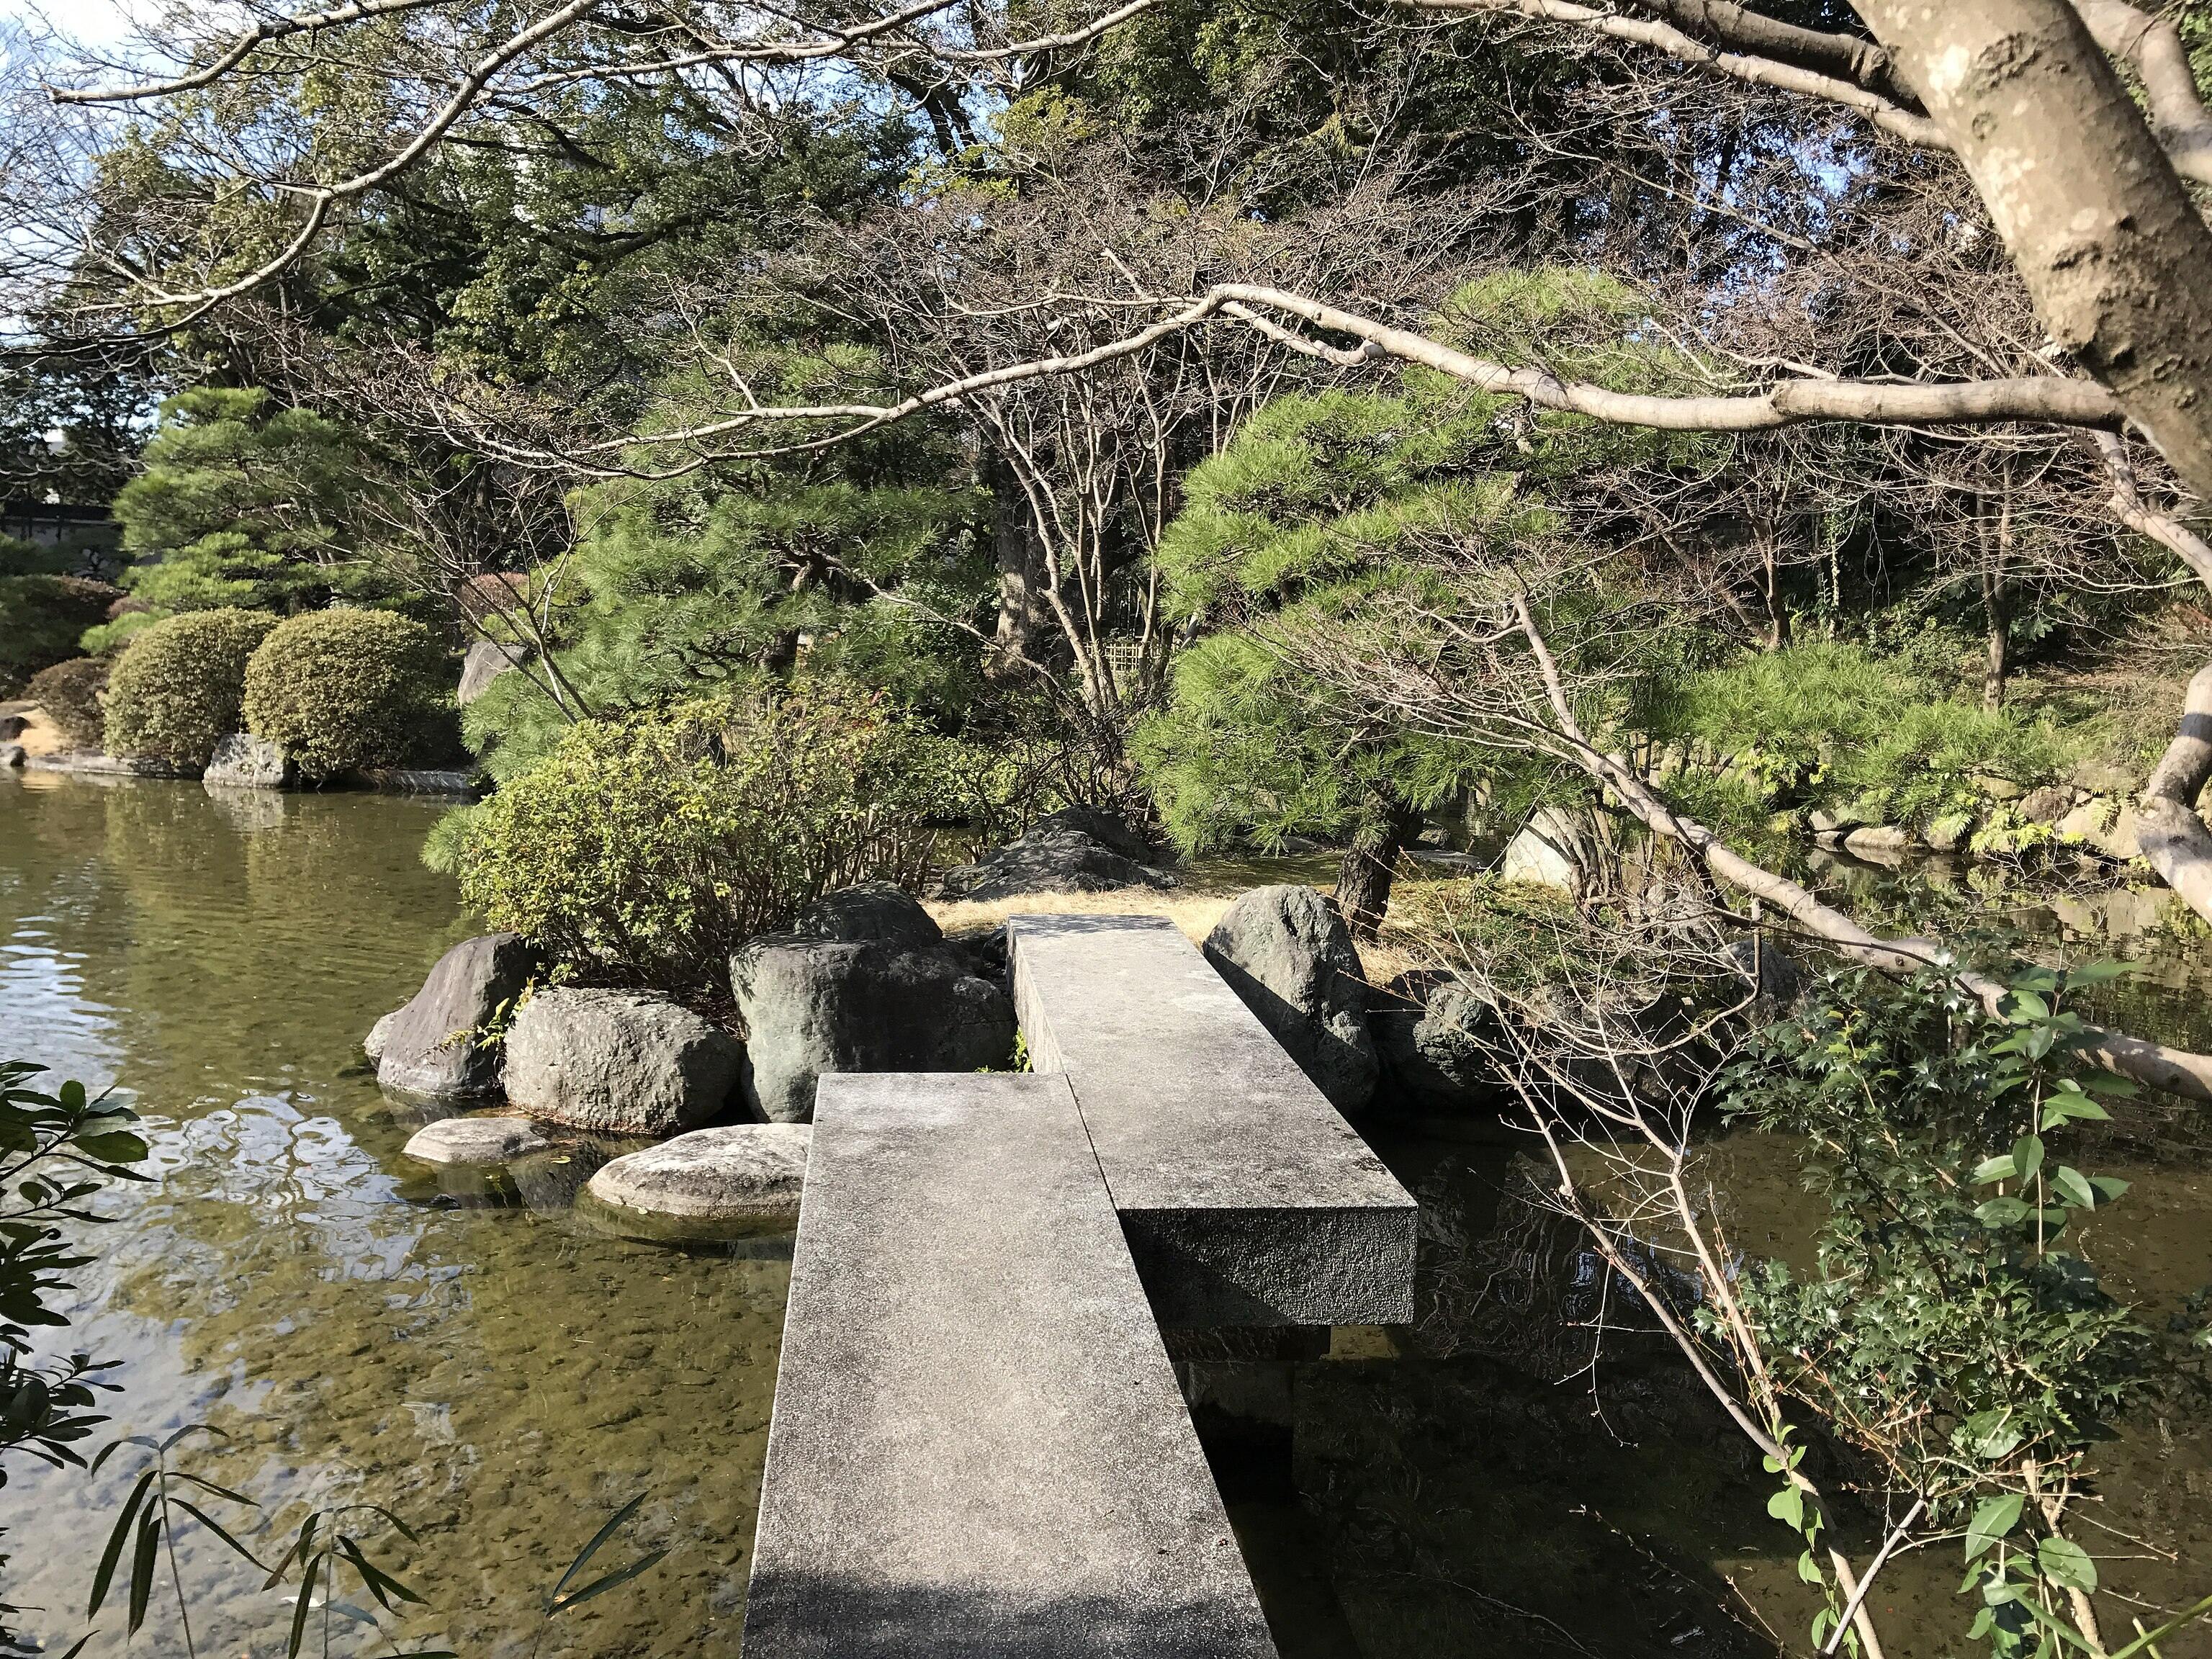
(743, 1178)
(619, 1062)
(428, 1049)
(244, 761)
(814, 1007)
(1286, 952)
(476, 1140)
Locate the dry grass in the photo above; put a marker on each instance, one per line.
(1194, 911)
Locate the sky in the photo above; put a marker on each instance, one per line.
(93, 22)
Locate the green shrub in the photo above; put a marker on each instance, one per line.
(645, 850)
(178, 687)
(338, 691)
(70, 693)
(42, 618)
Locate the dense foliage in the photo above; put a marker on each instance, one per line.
(72, 694)
(1950, 1330)
(178, 687)
(41, 618)
(714, 581)
(245, 504)
(645, 850)
(1830, 721)
(341, 690)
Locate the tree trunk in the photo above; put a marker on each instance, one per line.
(1778, 615)
(1023, 615)
(2099, 223)
(1368, 869)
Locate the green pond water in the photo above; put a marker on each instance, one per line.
(505, 1377)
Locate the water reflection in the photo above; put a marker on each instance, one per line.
(499, 1376)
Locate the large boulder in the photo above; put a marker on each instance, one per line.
(1555, 848)
(429, 1048)
(1429, 1034)
(487, 659)
(619, 1062)
(877, 910)
(1078, 850)
(242, 761)
(1287, 953)
(812, 1005)
(746, 1177)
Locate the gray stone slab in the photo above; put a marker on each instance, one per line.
(1246, 1198)
(978, 1446)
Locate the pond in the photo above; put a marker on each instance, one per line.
(505, 1378)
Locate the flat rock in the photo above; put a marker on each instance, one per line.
(815, 1006)
(429, 1048)
(476, 1140)
(1878, 838)
(241, 761)
(740, 1178)
(979, 1450)
(619, 1062)
(1286, 951)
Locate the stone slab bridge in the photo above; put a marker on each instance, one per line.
(979, 1445)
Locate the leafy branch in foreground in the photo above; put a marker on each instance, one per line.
(1946, 1334)
(57, 1150)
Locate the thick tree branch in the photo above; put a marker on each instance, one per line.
(275, 29)
(2051, 397)
(2175, 1071)
(2099, 224)
(2173, 838)
(1758, 71)
(2153, 46)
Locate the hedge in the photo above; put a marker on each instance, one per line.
(70, 693)
(178, 687)
(341, 690)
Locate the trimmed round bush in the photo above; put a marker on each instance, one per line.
(177, 688)
(41, 619)
(644, 851)
(70, 694)
(338, 691)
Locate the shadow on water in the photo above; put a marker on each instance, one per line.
(471, 1354)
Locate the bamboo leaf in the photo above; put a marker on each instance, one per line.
(106, 1574)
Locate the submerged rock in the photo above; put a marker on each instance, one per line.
(476, 1140)
(744, 1177)
(816, 1003)
(620, 1062)
(429, 1048)
(1078, 850)
(1287, 953)
(244, 761)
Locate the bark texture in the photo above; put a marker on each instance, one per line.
(2172, 837)
(2096, 219)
